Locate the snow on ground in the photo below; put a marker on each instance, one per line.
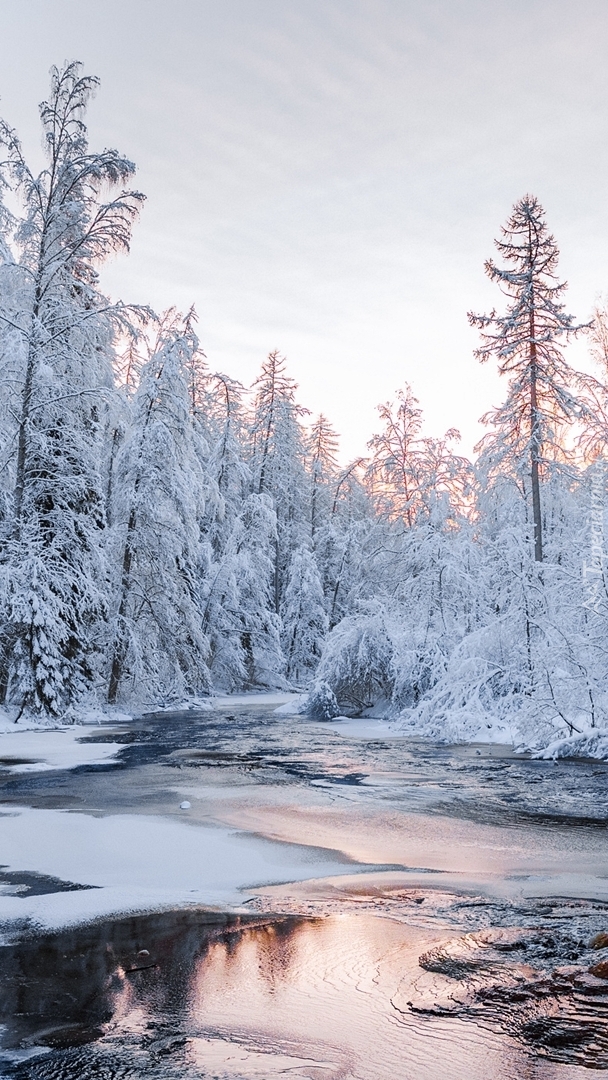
(295, 706)
(590, 744)
(365, 727)
(262, 697)
(41, 748)
(141, 862)
(232, 701)
(76, 715)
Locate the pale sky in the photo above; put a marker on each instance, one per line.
(326, 177)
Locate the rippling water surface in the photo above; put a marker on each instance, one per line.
(458, 947)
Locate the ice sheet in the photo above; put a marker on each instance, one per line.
(41, 749)
(142, 862)
(365, 727)
(262, 697)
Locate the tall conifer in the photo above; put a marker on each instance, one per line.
(527, 343)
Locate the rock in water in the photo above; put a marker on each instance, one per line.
(600, 970)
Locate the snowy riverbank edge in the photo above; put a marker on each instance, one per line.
(588, 742)
(555, 739)
(121, 864)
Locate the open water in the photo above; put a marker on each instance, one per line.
(457, 944)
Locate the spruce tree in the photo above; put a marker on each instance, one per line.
(158, 641)
(305, 622)
(323, 466)
(278, 461)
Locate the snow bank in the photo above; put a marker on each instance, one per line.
(38, 749)
(519, 727)
(296, 706)
(464, 708)
(230, 701)
(255, 697)
(588, 744)
(138, 863)
(11, 721)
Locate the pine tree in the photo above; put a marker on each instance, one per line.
(252, 544)
(57, 336)
(527, 343)
(158, 640)
(303, 615)
(323, 465)
(278, 461)
(225, 576)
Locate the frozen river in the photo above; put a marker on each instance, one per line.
(238, 894)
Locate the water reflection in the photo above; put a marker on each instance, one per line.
(61, 989)
(189, 994)
(373, 977)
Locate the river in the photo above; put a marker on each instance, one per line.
(434, 916)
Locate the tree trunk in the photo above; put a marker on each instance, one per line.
(277, 579)
(120, 645)
(110, 484)
(26, 401)
(535, 449)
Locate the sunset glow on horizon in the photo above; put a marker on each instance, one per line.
(328, 178)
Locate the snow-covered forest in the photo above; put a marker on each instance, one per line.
(167, 532)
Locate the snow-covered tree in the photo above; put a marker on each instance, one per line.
(357, 664)
(56, 337)
(228, 472)
(227, 565)
(158, 641)
(238, 610)
(252, 548)
(411, 478)
(410, 596)
(394, 473)
(527, 342)
(277, 461)
(323, 466)
(340, 543)
(303, 615)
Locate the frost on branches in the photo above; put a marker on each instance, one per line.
(166, 532)
(157, 637)
(57, 332)
(493, 623)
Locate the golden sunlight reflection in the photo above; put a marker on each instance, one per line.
(230, 1057)
(369, 994)
(313, 998)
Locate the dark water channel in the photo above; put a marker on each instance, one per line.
(465, 943)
